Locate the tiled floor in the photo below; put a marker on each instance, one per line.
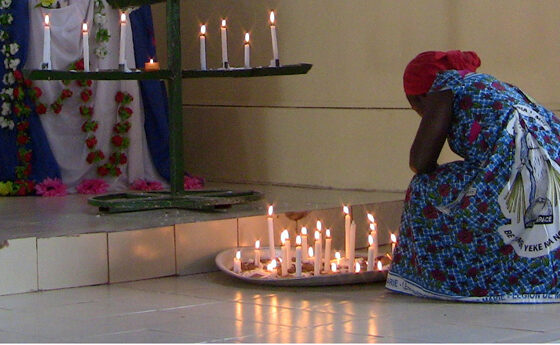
(214, 307)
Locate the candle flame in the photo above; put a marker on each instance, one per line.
(223, 23)
(271, 266)
(272, 17)
(357, 269)
(372, 226)
(379, 266)
(298, 240)
(337, 255)
(84, 27)
(333, 266)
(304, 230)
(370, 239)
(47, 20)
(345, 209)
(203, 29)
(317, 235)
(238, 255)
(123, 17)
(270, 210)
(282, 237)
(319, 225)
(393, 238)
(286, 234)
(310, 252)
(257, 244)
(246, 37)
(370, 217)
(151, 60)
(328, 233)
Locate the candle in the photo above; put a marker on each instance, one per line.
(393, 243)
(373, 232)
(223, 30)
(274, 39)
(237, 262)
(269, 220)
(317, 262)
(337, 257)
(271, 266)
(122, 58)
(284, 262)
(203, 47)
(328, 241)
(151, 65)
(298, 256)
(370, 254)
(319, 253)
(333, 267)
(287, 244)
(347, 221)
(258, 253)
(310, 255)
(85, 46)
(247, 49)
(47, 45)
(357, 267)
(379, 266)
(352, 244)
(304, 242)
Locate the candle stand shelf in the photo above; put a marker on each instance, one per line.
(177, 197)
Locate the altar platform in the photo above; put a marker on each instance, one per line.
(61, 242)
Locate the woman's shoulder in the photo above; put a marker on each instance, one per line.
(455, 80)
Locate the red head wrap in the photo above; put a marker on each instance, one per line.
(420, 73)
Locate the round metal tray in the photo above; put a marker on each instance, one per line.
(224, 260)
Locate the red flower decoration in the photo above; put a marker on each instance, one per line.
(119, 97)
(22, 126)
(117, 140)
(56, 107)
(86, 95)
(22, 139)
(91, 142)
(41, 109)
(102, 171)
(66, 93)
(18, 75)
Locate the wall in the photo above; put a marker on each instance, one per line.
(346, 124)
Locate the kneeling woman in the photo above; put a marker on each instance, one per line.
(487, 228)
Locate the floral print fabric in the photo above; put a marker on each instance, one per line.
(454, 241)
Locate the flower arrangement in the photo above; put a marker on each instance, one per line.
(51, 187)
(146, 185)
(102, 34)
(47, 3)
(92, 186)
(8, 50)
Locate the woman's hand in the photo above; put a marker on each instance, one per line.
(436, 110)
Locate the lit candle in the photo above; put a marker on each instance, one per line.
(274, 39)
(269, 220)
(237, 262)
(393, 243)
(379, 266)
(284, 262)
(271, 266)
(347, 221)
(319, 228)
(337, 257)
(288, 246)
(122, 57)
(310, 254)
(304, 242)
(370, 255)
(203, 47)
(357, 267)
(151, 65)
(223, 30)
(317, 263)
(328, 241)
(247, 49)
(371, 218)
(298, 256)
(352, 245)
(47, 45)
(333, 267)
(373, 232)
(258, 253)
(85, 46)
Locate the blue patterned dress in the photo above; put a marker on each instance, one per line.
(486, 229)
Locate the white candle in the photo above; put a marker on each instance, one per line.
(347, 221)
(393, 243)
(247, 50)
(237, 262)
(357, 267)
(298, 256)
(47, 45)
(270, 223)
(310, 255)
(319, 253)
(203, 47)
(274, 39)
(333, 267)
(284, 265)
(328, 241)
(122, 57)
(85, 46)
(352, 245)
(337, 257)
(258, 253)
(223, 30)
(288, 246)
(317, 262)
(370, 254)
(304, 242)
(373, 232)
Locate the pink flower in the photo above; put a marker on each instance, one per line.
(51, 187)
(93, 186)
(193, 182)
(146, 185)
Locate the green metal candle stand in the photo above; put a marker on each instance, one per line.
(177, 197)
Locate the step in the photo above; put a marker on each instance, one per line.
(63, 242)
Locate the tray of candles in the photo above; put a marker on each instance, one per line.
(255, 266)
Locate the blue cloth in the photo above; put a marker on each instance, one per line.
(466, 228)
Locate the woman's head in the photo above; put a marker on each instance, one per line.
(421, 72)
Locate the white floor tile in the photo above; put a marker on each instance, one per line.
(18, 266)
(143, 336)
